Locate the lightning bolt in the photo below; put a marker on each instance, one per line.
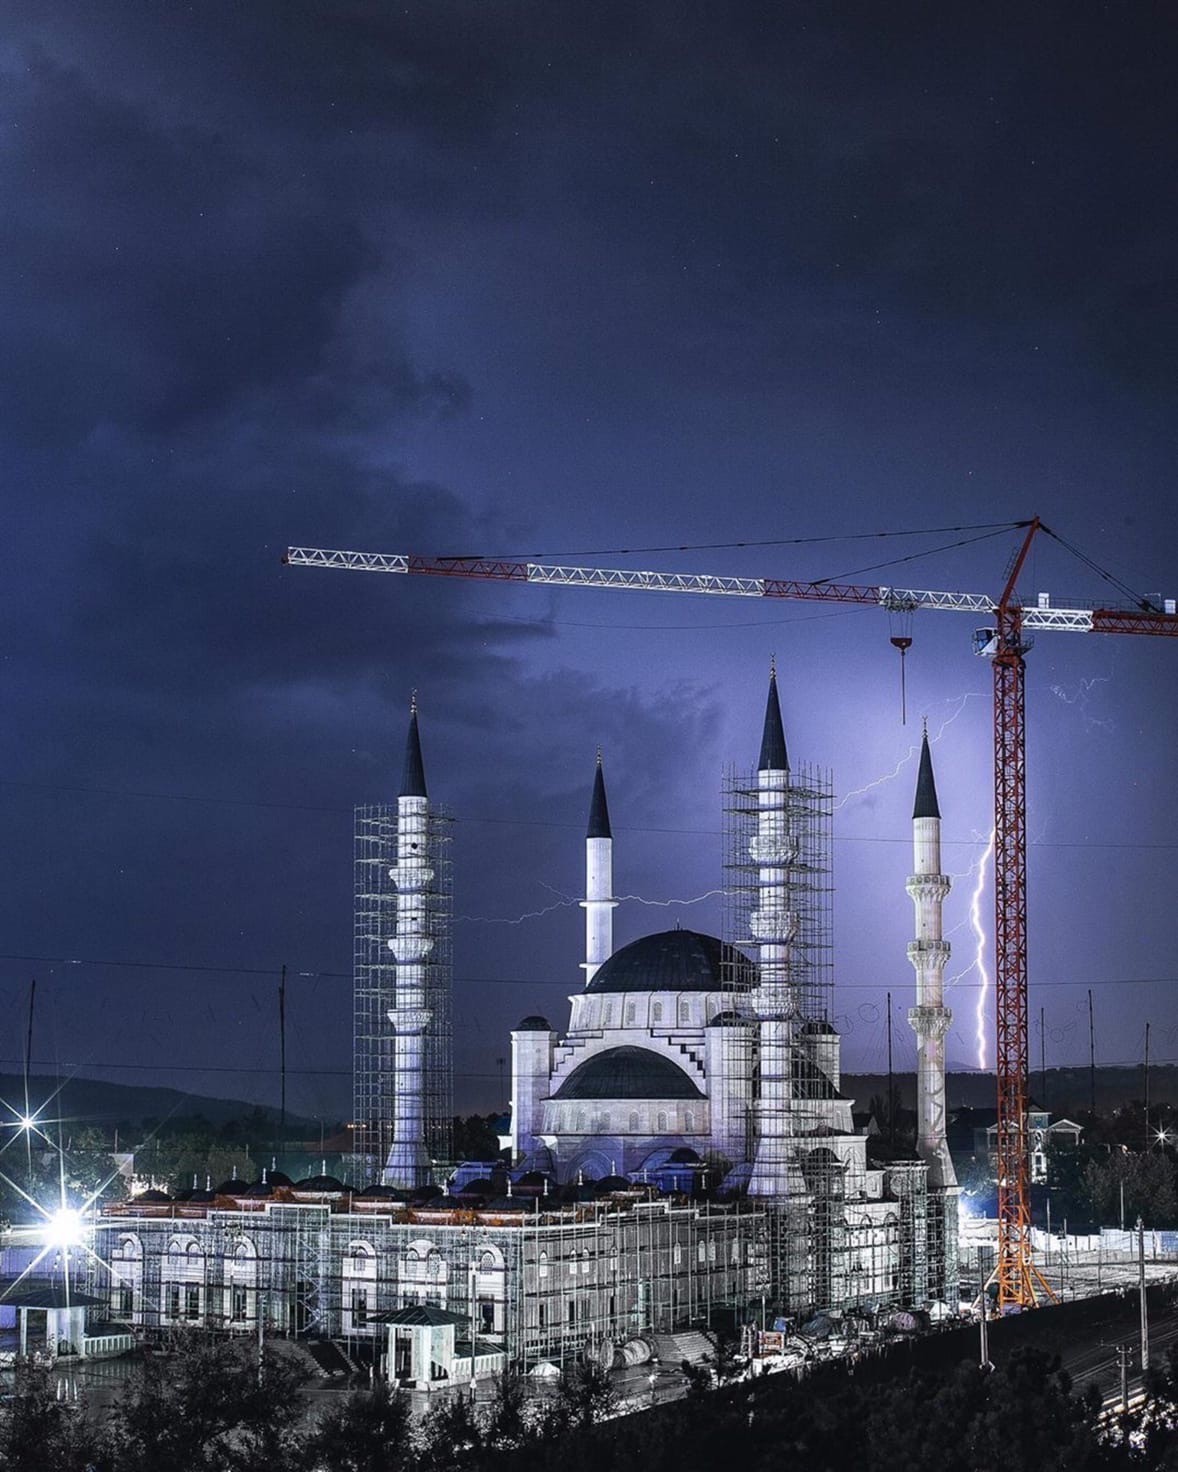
(975, 920)
(564, 900)
(1080, 699)
(978, 963)
(891, 776)
(561, 902)
(694, 900)
(513, 919)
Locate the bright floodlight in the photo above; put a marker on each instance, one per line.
(64, 1228)
(27, 1121)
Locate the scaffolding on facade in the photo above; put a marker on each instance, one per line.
(374, 986)
(547, 1283)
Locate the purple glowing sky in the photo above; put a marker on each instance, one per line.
(554, 279)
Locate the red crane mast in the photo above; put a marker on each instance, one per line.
(1006, 644)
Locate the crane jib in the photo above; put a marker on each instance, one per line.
(1042, 618)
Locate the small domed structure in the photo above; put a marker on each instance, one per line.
(533, 1023)
(325, 1185)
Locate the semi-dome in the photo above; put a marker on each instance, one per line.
(674, 961)
(627, 1073)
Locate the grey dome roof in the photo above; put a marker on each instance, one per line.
(729, 1018)
(627, 1073)
(674, 961)
(533, 1023)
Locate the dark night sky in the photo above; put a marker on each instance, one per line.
(544, 278)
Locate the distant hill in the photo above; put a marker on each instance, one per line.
(1063, 1091)
(83, 1101)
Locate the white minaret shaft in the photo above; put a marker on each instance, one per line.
(776, 1175)
(929, 953)
(599, 902)
(409, 1163)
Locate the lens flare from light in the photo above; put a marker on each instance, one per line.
(975, 921)
(64, 1228)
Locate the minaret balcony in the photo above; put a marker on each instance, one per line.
(773, 925)
(409, 1022)
(930, 953)
(409, 948)
(930, 1022)
(410, 875)
(776, 850)
(928, 886)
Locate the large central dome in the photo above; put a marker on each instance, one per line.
(674, 961)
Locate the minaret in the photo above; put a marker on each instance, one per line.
(929, 953)
(408, 1163)
(776, 1175)
(598, 903)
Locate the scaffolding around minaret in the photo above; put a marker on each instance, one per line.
(374, 991)
(796, 987)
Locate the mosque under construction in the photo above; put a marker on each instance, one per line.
(681, 1150)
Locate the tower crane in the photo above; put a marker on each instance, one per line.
(1005, 641)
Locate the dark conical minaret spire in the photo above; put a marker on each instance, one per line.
(413, 772)
(926, 788)
(598, 807)
(773, 756)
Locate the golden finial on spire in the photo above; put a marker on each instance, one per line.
(413, 703)
(924, 724)
(599, 756)
(773, 666)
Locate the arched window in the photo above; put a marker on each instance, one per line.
(656, 1012)
(635, 1121)
(688, 1121)
(701, 1253)
(631, 1013)
(684, 1010)
(126, 1278)
(360, 1260)
(662, 1122)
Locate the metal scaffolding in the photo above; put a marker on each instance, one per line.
(542, 1283)
(848, 1234)
(805, 1240)
(374, 978)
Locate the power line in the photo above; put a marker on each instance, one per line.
(574, 823)
(933, 531)
(292, 973)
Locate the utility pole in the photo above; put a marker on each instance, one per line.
(1148, 1140)
(282, 1054)
(1091, 1058)
(984, 1348)
(28, 1065)
(1123, 1353)
(1141, 1290)
(891, 1082)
